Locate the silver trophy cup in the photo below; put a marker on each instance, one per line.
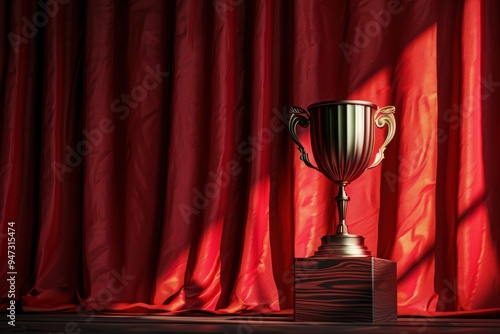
(342, 138)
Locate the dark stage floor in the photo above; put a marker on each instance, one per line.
(51, 323)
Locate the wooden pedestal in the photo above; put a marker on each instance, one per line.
(345, 289)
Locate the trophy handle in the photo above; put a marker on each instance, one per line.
(303, 121)
(387, 117)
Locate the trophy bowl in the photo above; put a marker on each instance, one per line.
(342, 140)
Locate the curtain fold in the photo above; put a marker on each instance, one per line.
(146, 163)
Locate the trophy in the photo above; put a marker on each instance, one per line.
(342, 281)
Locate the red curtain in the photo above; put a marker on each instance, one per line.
(146, 166)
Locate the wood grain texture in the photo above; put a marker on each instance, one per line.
(355, 289)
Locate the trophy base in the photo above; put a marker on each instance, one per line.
(342, 244)
(345, 289)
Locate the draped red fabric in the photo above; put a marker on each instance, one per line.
(146, 166)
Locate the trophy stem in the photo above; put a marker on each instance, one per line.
(342, 243)
(342, 200)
